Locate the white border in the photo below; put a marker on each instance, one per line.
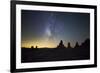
(20, 65)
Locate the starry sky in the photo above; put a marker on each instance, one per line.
(47, 28)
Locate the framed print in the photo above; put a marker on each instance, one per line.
(51, 36)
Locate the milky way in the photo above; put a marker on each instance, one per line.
(50, 28)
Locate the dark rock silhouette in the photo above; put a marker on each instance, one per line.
(85, 44)
(61, 45)
(36, 46)
(69, 46)
(32, 46)
(76, 45)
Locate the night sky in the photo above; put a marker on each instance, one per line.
(46, 28)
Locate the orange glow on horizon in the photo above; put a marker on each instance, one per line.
(44, 43)
(41, 44)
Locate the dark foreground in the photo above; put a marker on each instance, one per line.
(40, 55)
(60, 53)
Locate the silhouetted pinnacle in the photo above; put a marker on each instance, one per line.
(36, 46)
(86, 44)
(32, 46)
(61, 42)
(69, 46)
(76, 45)
(61, 45)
